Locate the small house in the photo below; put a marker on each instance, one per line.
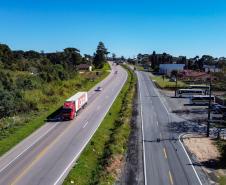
(84, 67)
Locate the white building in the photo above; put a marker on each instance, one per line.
(168, 68)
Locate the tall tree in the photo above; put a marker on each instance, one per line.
(100, 57)
(113, 56)
(6, 55)
(72, 56)
(153, 59)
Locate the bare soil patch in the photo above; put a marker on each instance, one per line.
(203, 147)
(115, 165)
(207, 155)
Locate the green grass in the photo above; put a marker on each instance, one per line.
(221, 145)
(139, 68)
(166, 83)
(48, 99)
(222, 180)
(106, 67)
(108, 143)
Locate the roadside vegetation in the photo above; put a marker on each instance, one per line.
(197, 64)
(222, 180)
(221, 144)
(33, 85)
(164, 82)
(138, 67)
(102, 159)
(219, 84)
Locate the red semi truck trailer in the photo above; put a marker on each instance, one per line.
(73, 104)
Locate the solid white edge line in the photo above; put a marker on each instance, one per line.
(142, 128)
(189, 159)
(35, 142)
(156, 91)
(74, 159)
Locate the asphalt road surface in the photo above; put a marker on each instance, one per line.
(46, 156)
(165, 159)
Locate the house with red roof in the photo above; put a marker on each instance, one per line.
(194, 75)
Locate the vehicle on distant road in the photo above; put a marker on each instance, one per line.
(98, 89)
(189, 92)
(73, 104)
(201, 99)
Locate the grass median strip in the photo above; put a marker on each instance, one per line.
(103, 157)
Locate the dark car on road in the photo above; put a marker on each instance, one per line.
(98, 89)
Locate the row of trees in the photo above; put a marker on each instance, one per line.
(195, 63)
(27, 70)
(69, 58)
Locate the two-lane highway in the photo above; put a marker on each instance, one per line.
(165, 161)
(46, 157)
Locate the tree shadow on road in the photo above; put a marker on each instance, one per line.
(157, 140)
(188, 126)
(193, 111)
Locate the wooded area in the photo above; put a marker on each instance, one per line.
(21, 71)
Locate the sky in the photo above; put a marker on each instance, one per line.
(127, 27)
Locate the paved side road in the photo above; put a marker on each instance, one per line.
(165, 159)
(46, 157)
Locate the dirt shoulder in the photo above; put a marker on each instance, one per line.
(202, 147)
(132, 172)
(206, 154)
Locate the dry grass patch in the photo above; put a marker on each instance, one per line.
(115, 165)
(203, 147)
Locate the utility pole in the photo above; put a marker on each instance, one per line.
(209, 108)
(176, 86)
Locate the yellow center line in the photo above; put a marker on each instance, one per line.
(39, 156)
(170, 178)
(164, 151)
